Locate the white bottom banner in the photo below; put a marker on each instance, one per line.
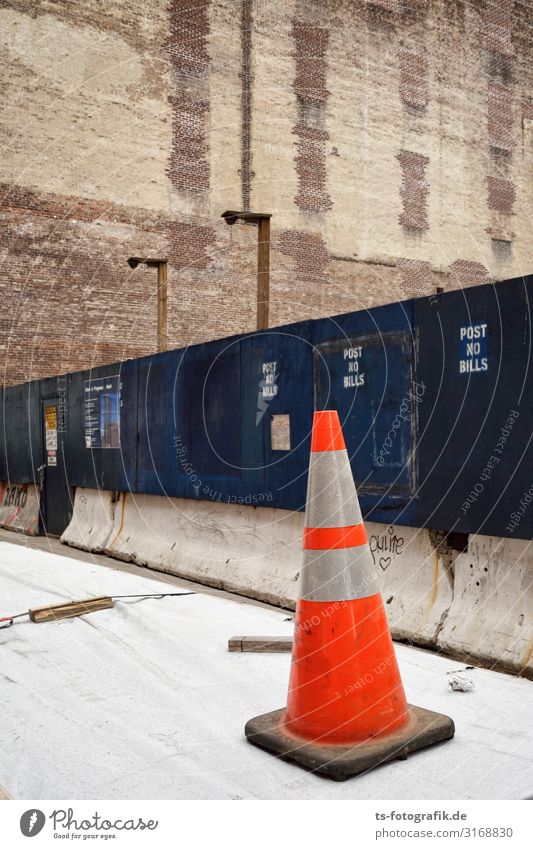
(354, 823)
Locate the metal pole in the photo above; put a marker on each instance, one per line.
(263, 272)
(162, 306)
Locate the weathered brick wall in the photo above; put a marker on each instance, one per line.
(392, 141)
(69, 299)
(85, 133)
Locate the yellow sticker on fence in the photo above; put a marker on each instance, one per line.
(50, 418)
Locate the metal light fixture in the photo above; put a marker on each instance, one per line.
(161, 265)
(262, 219)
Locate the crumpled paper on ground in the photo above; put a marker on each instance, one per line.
(460, 682)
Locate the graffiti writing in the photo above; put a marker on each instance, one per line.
(15, 496)
(385, 546)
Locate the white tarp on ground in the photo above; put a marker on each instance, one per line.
(144, 701)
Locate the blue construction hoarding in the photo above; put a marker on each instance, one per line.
(435, 397)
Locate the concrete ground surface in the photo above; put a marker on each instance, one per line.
(144, 700)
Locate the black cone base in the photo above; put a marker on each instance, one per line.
(341, 762)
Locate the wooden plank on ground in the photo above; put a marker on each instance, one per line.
(72, 608)
(4, 794)
(260, 644)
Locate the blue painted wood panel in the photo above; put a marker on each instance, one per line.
(435, 396)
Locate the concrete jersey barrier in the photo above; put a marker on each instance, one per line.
(20, 507)
(472, 604)
(252, 551)
(490, 617)
(92, 519)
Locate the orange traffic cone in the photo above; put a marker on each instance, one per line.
(346, 710)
